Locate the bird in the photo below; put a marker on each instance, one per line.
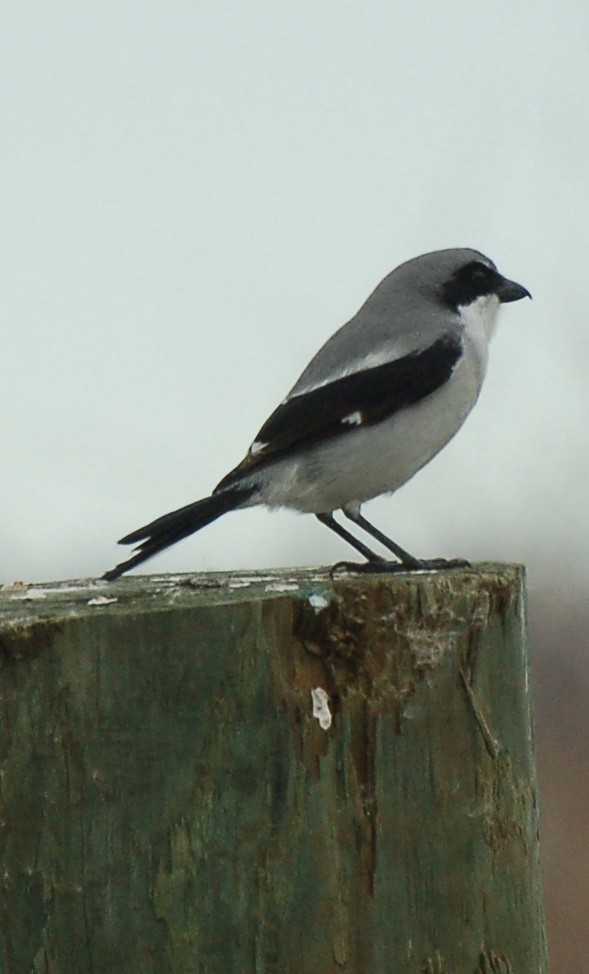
(377, 402)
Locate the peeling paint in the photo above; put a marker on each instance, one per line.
(165, 788)
(29, 595)
(318, 601)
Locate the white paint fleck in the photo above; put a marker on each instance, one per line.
(29, 595)
(429, 647)
(101, 600)
(318, 602)
(321, 709)
(254, 578)
(282, 587)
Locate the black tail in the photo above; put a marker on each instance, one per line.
(170, 528)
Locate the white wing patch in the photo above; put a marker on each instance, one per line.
(257, 447)
(389, 351)
(354, 419)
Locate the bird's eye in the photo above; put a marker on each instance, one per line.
(479, 273)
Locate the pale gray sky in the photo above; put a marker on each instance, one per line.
(196, 195)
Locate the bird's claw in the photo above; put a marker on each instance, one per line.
(381, 566)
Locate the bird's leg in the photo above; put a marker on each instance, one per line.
(329, 521)
(404, 557)
(408, 562)
(374, 562)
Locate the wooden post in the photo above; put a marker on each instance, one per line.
(169, 803)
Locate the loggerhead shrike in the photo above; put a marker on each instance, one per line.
(376, 403)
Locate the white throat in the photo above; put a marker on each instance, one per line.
(479, 319)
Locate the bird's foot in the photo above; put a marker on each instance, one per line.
(439, 564)
(381, 566)
(372, 567)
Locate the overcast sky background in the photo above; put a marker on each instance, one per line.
(195, 196)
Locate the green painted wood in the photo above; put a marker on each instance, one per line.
(169, 803)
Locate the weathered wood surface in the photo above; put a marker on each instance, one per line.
(169, 803)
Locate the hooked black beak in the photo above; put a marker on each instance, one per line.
(510, 291)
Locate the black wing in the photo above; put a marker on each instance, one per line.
(361, 399)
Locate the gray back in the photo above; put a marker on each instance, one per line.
(403, 314)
